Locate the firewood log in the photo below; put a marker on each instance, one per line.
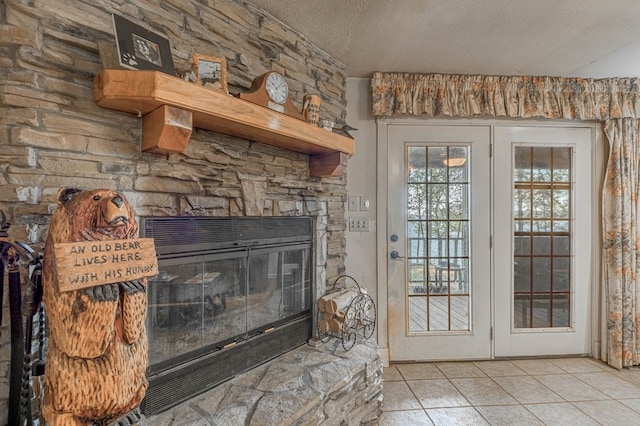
(323, 325)
(335, 325)
(322, 301)
(340, 300)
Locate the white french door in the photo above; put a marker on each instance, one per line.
(488, 252)
(438, 224)
(542, 236)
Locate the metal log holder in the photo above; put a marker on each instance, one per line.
(359, 315)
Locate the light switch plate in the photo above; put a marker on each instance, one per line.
(352, 203)
(364, 203)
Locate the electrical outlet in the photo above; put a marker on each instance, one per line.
(359, 224)
(352, 203)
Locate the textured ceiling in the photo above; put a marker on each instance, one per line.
(568, 38)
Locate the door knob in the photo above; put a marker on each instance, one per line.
(396, 255)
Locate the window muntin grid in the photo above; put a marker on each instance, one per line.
(438, 238)
(542, 214)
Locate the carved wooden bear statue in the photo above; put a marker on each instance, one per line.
(97, 353)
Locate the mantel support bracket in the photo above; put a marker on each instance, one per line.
(332, 164)
(166, 130)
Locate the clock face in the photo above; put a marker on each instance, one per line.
(277, 88)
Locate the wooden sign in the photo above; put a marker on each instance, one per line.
(93, 263)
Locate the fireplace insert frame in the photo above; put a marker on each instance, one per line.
(177, 239)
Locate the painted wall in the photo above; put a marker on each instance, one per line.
(361, 185)
(361, 262)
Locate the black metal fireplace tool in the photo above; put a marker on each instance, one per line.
(21, 368)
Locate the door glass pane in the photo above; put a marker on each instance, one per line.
(438, 237)
(437, 202)
(522, 203)
(522, 274)
(542, 236)
(416, 158)
(436, 154)
(560, 310)
(522, 245)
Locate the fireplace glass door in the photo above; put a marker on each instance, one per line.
(209, 302)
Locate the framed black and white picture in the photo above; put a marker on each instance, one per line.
(141, 49)
(211, 72)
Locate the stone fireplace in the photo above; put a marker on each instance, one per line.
(54, 135)
(230, 315)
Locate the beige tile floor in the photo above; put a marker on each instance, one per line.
(566, 391)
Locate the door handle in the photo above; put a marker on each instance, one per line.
(395, 255)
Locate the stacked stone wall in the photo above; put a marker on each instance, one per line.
(53, 135)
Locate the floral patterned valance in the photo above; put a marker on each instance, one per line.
(525, 97)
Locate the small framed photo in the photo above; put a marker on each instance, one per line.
(211, 72)
(141, 49)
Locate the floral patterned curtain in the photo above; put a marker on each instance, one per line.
(622, 242)
(525, 97)
(614, 101)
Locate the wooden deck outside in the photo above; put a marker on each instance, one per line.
(450, 312)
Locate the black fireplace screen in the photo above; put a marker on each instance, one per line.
(224, 282)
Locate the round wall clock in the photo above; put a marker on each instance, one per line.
(271, 90)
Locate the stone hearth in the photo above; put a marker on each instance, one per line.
(323, 385)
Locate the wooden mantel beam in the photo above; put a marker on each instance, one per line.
(171, 107)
